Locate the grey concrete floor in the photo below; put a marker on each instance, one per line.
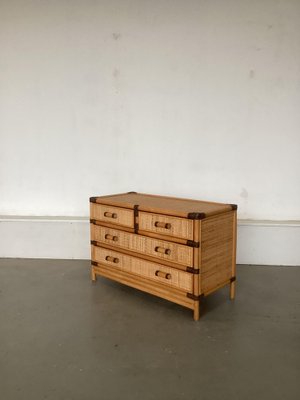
(62, 337)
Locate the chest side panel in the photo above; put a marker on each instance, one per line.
(217, 234)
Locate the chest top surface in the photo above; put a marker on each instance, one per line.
(187, 208)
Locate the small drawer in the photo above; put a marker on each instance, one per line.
(161, 249)
(134, 265)
(112, 215)
(166, 225)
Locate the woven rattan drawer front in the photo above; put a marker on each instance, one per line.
(154, 271)
(166, 225)
(112, 215)
(142, 244)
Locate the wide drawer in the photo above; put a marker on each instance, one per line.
(156, 272)
(142, 244)
(112, 215)
(166, 225)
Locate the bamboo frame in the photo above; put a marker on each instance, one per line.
(157, 238)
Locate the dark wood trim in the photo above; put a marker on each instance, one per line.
(192, 243)
(136, 216)
(194, 297)
(196, 215)
(193, 270)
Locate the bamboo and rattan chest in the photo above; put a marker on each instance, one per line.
(177, 249)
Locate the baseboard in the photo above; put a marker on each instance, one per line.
(268, 242)
(44, 237)
(259, 242)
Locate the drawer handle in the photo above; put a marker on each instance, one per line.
(111, 237)
(162, 225)
(112, 259)
(110, 215)
(162, 250)
(162, 274)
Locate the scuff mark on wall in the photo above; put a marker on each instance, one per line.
(244, 193)
(116, 73)
(116, 35)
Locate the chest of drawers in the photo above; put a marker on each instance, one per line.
(177, 249)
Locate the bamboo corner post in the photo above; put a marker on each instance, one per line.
(233, 275)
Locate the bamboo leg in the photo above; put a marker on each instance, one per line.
(232, 290)
(196, 310)
(94, 278)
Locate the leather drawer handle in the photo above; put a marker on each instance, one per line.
(164, 225)
(111, 237)
(110, 215)
(162, 274)
(112, 259)
(162, 250)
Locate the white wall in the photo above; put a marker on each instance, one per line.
(183, 97)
